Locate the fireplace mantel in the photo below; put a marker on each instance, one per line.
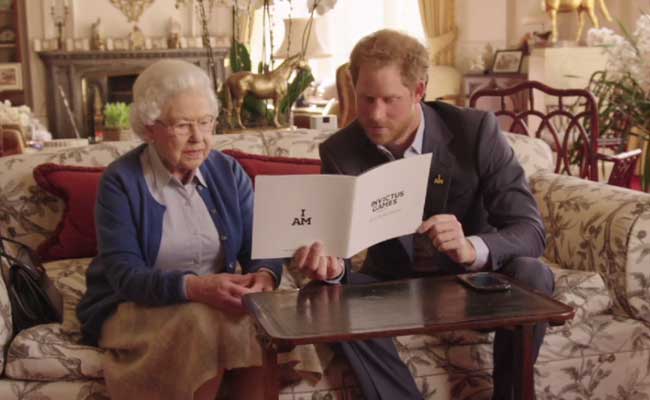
(72, 69)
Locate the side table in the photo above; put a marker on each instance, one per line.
(334, 313)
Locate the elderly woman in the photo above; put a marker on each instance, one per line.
(173, 218)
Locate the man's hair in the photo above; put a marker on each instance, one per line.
(387, 47)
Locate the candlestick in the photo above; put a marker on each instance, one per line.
(59, 22)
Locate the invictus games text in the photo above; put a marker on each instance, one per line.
(386, 201)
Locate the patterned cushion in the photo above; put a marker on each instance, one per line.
(69, 276)
(295, 143)
(533, 154)
(585, 291)
(603, 357)
(246, 141)
(44, 353)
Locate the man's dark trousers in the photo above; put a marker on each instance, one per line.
(383, 375)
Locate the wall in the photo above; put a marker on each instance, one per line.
(480, 25)
(502, 23)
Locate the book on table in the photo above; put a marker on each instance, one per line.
(346, 213)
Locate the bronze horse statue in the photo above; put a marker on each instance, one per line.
(552, 7)
(271, 85)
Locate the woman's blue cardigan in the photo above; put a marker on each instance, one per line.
(129, 229)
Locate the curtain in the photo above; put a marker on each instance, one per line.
(438, 20)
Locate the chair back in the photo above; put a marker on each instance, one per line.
(614, 113)
(347, 98)
(11, 140)
(567, 119)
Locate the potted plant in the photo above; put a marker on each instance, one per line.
(624, 85)
(116, 121)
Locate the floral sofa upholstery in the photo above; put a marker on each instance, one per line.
(598, 246)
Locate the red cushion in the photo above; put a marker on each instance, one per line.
(265, 165)
(74, 236)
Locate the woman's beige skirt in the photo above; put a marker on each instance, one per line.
(169, 352)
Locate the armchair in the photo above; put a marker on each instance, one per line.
(11, 140)
(565, 118)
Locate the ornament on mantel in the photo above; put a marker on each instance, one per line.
(136, 39)
(132, 9)
(97, 42)
(174, 36)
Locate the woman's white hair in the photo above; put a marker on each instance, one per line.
(159, 82)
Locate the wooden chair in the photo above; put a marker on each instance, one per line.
(11, 140)
(565, 118)
(347, 100)
(614, 120)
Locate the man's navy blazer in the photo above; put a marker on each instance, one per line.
(487, 189)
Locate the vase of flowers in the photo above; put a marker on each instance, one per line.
(626, 81)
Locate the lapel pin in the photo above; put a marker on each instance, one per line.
(438, 180)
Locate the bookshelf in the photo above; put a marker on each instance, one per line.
(14, 78)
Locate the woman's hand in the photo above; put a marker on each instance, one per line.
(313, 262)
(223, 291)
(261, 281)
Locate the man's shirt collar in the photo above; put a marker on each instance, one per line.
(416, 146)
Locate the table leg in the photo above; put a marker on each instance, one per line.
(271, 378)
(524, 383)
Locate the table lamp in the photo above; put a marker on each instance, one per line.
(294, 29)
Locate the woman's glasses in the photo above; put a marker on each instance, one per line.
(183, 127)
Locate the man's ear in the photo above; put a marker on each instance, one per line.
(420, 90)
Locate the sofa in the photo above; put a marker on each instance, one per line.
(598, 247)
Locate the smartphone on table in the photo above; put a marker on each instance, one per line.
(485, 281)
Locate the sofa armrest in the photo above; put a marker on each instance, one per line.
(624, 166)
(6, 325)
(593, 226)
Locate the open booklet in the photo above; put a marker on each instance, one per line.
(346, 213)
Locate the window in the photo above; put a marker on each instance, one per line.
(340, 30)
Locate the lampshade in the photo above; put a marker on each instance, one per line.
(314, 47)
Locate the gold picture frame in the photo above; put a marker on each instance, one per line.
(11, 76)
(507, 61)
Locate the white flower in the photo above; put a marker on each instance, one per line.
(602, 37)
(21, 115)
(322, 6)
(626, 56)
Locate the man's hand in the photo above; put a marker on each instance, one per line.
(314, 264)
(223, 291)
(447, 237)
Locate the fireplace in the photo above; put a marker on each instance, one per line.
(88, 79)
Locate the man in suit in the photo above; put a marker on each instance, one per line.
(479, 212)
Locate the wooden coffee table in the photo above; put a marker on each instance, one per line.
(334, 313)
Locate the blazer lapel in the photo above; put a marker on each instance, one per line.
(436, 141)
(437, 138)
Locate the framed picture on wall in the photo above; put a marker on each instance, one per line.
(11, 77)
(507, 61)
